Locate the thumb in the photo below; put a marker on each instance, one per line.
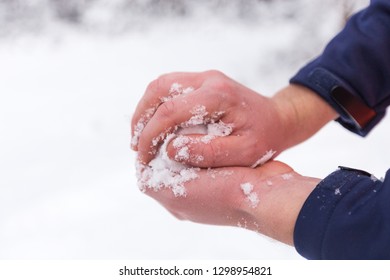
(211, 151)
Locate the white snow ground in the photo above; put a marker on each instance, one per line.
(67, 179)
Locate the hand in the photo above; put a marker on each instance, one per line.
(260, 127)
(266, 199)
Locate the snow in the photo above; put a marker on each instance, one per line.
(175, 91)
(251, 196)
(162, 172)
(219, 129)
(287, 176)
(165, 173)
(139, 127)
(183, 154)
(266, 157)
(247, 188)
(68, 188)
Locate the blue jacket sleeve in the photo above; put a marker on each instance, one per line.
(347, 216)
(358, 61)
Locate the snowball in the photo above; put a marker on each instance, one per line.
(162, 172)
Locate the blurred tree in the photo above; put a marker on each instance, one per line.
(71, 11)
(33, 15)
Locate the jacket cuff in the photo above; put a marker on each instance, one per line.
(317, 217)
(354, 114)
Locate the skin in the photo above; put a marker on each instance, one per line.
(218, 199)
(292, 115)
(261, 124)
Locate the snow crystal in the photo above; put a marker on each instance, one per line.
(198, 116)
(175, 91)
(176, 88)
(287, 176)
(247, 188)
(182, 154)
(244, 223)
(207, 125)
(207, 139)
(219, 129)
(266, 157)
(213, 173)
(161, 137)
(226, 173)
(187, 90)
(156, 140)
(140, 126)
(180, 141)
(210, 132)
(337, 191)
(251, 196)
(199, 158)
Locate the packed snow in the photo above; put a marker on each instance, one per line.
(163, 172)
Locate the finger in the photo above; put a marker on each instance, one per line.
(210, 151)
(160, 90)
(196, 108)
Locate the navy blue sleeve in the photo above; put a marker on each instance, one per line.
(358, 60)
(347, 216)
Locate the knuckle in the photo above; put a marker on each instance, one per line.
(215, 73)
(165, 110)
(222, 83)
(224, 89)
(153, 86)
(215, 152)
(221, 87)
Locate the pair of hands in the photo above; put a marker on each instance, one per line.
(260, 126)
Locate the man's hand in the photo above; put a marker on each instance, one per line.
(258, 127)
(266, 199)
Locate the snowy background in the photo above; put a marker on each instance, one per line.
(71, 74)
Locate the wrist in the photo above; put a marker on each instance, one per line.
(280, 206)
(302, 113)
